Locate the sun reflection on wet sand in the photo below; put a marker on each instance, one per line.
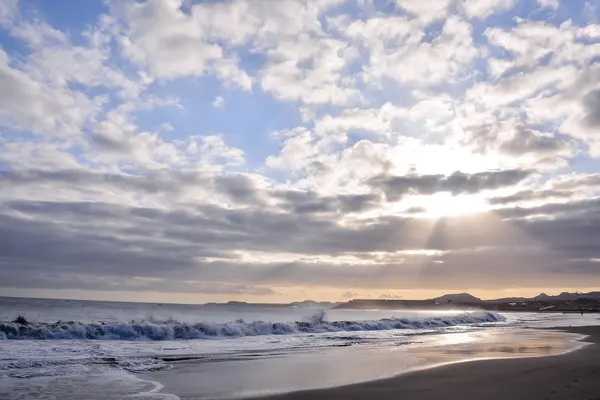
(468, 346)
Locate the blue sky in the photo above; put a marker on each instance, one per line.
(281, 150)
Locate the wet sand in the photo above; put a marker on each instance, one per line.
(572, 376)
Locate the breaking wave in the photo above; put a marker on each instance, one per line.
(173, 330)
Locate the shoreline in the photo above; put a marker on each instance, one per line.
(571, 375)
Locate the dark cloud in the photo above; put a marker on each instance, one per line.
(588, 207)
(591, 104)
(125, 283)
(106, 143)
(395, 187)
(99, 246)
(578, 181)
(240, 188)
(415, 210)
(196, 247)
(306, 202)
(147, 182)
(568, 186)
(526, 141)
(358, 202)
(530, 195)
(521, 140)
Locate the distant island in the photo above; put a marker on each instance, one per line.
(564, 302)
(295, 304)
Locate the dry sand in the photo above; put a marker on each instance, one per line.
(572, 376)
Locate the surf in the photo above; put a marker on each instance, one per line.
(174, 330)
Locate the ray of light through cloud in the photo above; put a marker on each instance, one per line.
(276, 150)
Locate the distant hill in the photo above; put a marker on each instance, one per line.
(457, 298)
(312, 303)
(569, 296)
(447, 301)
(237, 303)
(564, 296)
(299, 304)
(542, 297)
(509, 300)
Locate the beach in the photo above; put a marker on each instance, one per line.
(574, 375)
(109, 350)
(446, 362)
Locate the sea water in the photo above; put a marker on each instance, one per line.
(110, 350)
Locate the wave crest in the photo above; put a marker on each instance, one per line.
(173, 330)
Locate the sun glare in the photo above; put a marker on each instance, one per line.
(446, 205)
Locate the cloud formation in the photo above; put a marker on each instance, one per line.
(456, 183)
(251, 149)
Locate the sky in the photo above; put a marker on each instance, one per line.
(271, 151)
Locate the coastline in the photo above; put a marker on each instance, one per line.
(573, 375)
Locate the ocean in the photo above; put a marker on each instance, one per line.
(72, 349)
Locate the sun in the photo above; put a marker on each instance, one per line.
(447, 205)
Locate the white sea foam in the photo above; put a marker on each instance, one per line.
(38, 367)
(174, 330)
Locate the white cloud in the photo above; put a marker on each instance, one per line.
(31, 105)
(553, 4)
(303, 62)
(423, 64)
(55, 60)
(484, 8)
(581, 117)
(432, 111)
(532, 41)
(427, 11)
(297, 152)
(22, 155)
(218, 102)
(377, 121)
(380, 31)
(231, 75)
(310, 70)
(522, 86)
(8, 10)
(173, 44)
(160, 35)
(388, 120)
(553, 93)
(212, 151)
